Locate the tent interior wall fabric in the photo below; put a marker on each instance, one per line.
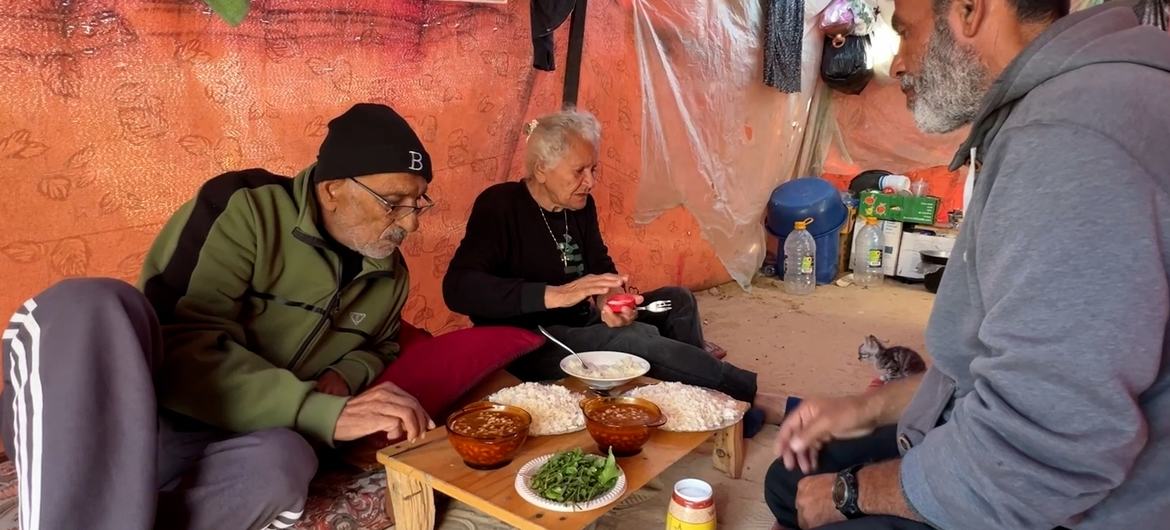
(114, 112)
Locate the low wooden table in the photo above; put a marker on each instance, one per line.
(414, 474)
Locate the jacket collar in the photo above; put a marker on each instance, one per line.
(308, 229)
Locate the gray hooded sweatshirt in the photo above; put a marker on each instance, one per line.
(1048, 403)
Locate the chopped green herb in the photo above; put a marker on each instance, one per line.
(573, 476)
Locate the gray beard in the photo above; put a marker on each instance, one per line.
(950, 89)
(371, 250)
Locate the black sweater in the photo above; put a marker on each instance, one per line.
(508, 256)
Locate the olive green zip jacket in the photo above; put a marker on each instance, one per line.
(246, 290)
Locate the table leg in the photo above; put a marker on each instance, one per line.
(729, 451)
(410, 497)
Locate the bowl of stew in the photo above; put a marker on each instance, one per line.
(621, 423)
(488, 435)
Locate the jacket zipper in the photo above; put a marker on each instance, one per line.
(330, 308)
(330, 311)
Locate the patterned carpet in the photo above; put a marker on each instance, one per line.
(338, 501)
(354, 502)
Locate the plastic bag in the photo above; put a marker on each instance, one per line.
(837, 19)
(843, 66)
(847, 17)
(714, 138)
(865, 16)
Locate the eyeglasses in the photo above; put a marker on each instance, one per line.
(398, 211)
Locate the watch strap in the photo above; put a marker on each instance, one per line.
(848, 505)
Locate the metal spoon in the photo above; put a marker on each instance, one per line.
(561, 344)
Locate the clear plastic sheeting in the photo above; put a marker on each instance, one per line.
(874, 130)
(716, 140)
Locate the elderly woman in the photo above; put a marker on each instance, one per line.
(533, 255)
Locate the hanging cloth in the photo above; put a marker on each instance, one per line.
(783, 37)
(547, 16)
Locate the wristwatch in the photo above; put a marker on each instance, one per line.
(845, 493)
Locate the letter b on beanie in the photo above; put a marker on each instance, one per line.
(369, 139)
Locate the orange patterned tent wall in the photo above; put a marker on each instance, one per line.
(112, 113)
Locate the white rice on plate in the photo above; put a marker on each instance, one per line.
(554, 408)
(691, 408)
(627, 367)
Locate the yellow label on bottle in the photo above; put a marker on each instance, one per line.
(875, 257)
(806, 265)
(674, 523)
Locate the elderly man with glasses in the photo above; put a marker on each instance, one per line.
(194, 401)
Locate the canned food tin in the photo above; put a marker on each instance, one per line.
(692, 506)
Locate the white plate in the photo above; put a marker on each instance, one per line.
(524, 476)
(740, 407)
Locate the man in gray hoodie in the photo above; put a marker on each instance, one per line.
(1048, 403)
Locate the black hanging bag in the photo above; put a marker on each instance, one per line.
(843, 64)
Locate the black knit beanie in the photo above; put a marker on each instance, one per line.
(368, 139)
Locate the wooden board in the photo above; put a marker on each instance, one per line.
(439, 467)
(415, 474)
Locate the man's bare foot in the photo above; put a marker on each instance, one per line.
(772, 405)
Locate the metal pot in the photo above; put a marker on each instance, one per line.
(937, 257)
(934, 261)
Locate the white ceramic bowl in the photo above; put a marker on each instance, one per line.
(599, 358)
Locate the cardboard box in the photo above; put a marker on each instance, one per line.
(914, 242)
(891, 240)
(919, 210)
(879, 205)
(905, 208)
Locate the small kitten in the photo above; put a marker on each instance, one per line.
(894, 362)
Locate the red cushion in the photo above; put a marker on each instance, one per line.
(439, 370)
(410, 334)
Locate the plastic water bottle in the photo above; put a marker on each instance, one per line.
(867, 255)
(800, 251)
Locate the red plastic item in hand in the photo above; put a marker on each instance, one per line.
(620, 302)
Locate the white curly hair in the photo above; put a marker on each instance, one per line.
(548, 137)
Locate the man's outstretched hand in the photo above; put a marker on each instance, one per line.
(383, 408)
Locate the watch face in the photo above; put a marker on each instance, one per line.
(839, 492)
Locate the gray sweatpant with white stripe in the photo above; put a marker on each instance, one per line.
(92, 450)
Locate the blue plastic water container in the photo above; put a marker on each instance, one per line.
(803, 198)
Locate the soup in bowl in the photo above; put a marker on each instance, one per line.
(488, 435)
(621, 423)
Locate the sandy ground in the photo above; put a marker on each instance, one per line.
(808, 344)
(799, 345)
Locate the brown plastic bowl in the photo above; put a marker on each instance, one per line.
(488, 435)
(624, 432)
